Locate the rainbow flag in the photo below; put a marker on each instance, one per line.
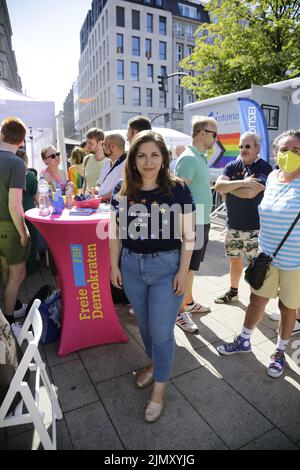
(225, 150)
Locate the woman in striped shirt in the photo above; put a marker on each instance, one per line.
(278, 209)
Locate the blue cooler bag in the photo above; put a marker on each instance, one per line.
(50, 311)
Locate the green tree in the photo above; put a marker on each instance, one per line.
(247, 42)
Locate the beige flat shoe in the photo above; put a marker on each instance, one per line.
(154, 411)
(144, 379)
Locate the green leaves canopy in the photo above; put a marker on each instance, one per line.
(246, 42)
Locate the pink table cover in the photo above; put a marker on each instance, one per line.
(80, 247)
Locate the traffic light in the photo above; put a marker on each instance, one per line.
(161, 82)
(167, 117)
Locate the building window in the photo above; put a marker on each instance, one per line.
(150, 73)
(179, 77)
(148, 48)
(134, 71)
(162, 50)
(120, 12)
(189, 31)
(135, 46)
(179, 101)
(120, 43)
(179, 31)
(107, 122)
(120, 69)
(149, 23)
(103, 74)
(135, 19)
(163, 70)
(136, 96)
(191, 98)
(158, 3)
(272, 116)
(162, 100)
(149, 97)
(126, 116)
(188, 11)
(106, 19)
(120, 94)
(190, 50)
(162, 25)
(179, 52)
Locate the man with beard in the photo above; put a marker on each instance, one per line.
(114, 149)
(95, 161)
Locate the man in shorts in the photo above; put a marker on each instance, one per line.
(192, 167)
(243, 184)
(14, 235)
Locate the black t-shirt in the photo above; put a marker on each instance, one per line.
(242, 214)
(150, 222)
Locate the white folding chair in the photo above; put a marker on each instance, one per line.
(31, 360)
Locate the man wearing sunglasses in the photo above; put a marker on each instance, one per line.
(192, 167)
(243, 184)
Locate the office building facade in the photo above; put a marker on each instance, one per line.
(9, 76)
(125, 45)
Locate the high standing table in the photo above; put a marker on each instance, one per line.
(80, 248)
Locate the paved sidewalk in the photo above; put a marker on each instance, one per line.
(212, 402)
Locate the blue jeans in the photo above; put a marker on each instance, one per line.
(148, 283)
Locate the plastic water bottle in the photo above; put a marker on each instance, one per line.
(69, 194)
(44, 200)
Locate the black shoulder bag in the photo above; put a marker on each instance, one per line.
(257, 270)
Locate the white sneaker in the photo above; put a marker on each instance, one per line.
(296, 329)
(274, 316)
(185, 322)
(16, 328)
(20, 312)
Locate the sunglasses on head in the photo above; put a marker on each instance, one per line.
(54, 155)
(247, 146)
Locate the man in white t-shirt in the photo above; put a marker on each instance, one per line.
(114, 148)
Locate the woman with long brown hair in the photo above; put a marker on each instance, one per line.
(151, 239)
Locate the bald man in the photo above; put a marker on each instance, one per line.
(114, 148)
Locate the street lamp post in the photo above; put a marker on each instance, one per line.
(163, 86)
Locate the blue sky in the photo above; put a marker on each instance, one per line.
(46, 43)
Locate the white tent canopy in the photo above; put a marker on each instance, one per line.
(35, 113)
(171, 137)
(38, 115)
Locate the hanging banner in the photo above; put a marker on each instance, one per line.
(252, 119)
